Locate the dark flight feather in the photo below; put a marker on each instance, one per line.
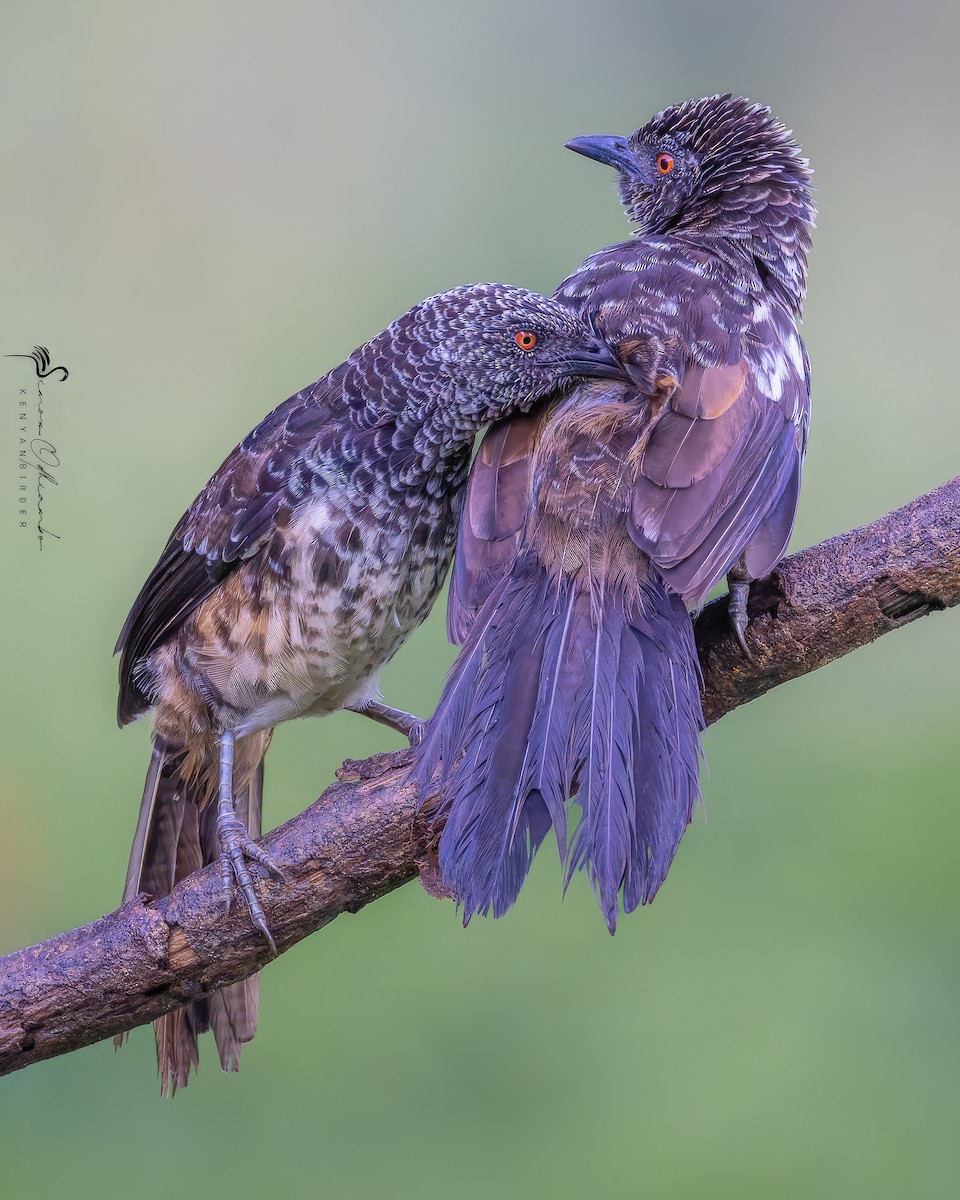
(312, 553)
(555, 695)
(233, 515)
(576, 559)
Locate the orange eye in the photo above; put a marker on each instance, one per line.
(525, 339)
(664, 163)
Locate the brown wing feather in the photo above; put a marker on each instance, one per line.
(498, 496)
(230, 520)
(720, 473)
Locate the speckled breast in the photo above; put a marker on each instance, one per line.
(348, 594)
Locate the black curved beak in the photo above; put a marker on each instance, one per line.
(595, 360)
(612, 151)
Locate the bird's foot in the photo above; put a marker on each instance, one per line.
(236, 847)
(416, 731)
(412, 728)
(739, 586)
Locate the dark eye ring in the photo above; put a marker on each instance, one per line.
(665, 163)
(525, 339)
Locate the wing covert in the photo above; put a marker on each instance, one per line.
(719, 476)
(253, 492)
(494, 512)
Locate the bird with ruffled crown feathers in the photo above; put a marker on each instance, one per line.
(592, 528)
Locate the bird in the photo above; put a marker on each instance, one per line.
(595, 527)
(305, 562)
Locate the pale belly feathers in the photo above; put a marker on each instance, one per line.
(327, 623)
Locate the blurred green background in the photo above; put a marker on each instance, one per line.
(205, 206)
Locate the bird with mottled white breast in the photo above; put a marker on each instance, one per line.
(311, 555)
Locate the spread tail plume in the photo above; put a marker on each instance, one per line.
(559, 692)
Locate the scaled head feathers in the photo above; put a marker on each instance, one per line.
(724, 167)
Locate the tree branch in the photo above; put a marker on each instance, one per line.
(363, 837)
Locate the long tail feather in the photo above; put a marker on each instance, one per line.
(176, 835)
(232, 1011)
(559, 693)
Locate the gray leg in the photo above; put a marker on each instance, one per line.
(412, 728)
(738, 583)
(236, 846)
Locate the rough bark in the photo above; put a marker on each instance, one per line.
(830, 599)
(363, 837)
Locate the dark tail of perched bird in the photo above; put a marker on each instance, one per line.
(590, 531)
(177, 835)
(304, 564)
(585, 684)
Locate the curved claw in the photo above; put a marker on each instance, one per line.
(236, 848)
(417, 732)
(737, 610)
